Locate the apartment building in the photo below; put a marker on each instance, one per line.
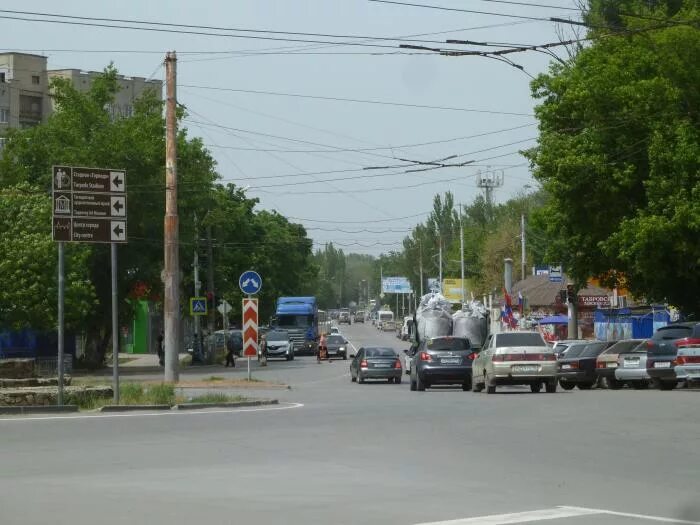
(130, 88)
(25, 98)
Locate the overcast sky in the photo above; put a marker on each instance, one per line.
(258, 152)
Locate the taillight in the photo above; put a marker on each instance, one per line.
(650, 343)
(397, 364)
(498, 358)
(363, 363)
(526, 357)
(686, 360)
(425, 356)
(686, 341)
(549, 357)
(600, 364)
(472, 356)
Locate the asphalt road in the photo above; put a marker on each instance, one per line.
(339, 452)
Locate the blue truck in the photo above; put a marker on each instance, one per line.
(299, 317)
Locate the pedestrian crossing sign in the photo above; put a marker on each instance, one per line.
(198, 306)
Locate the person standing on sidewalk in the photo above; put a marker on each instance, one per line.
(161, 348)
(229, 353)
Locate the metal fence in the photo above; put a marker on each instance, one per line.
(48, 366)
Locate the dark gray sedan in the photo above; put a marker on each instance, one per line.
(376, 363)
(337, 346)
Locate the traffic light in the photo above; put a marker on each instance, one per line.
(210, 301)
(570, 294)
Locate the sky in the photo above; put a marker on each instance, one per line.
(299, 155)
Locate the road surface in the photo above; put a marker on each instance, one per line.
(340, 452)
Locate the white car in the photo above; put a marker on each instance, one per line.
(335, 330)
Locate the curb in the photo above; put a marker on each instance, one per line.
(132, 408)
(38, 409)
(238, 404)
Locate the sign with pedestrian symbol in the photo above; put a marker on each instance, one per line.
(250, 282)
(89, 204)
(198, 306)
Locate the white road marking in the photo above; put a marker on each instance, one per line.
(636, 516)
(281, 406)
(520, 517)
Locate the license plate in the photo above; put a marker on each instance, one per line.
(525, 368)
(381, 365)
(451, 361)
(631, 363)
(662, 364)
(566, 367)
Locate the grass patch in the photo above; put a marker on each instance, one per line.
(87, 400)
(217, 397)
(215, 378)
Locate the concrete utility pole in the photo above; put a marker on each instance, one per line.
(508, 275)
(461, 251)
(440, 264)
(523, 262)
(197, 348)
(210, 288)
(171, 306)
(420, 262)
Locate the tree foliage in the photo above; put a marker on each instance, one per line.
(619, 151)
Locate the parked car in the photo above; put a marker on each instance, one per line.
(337, 346)
(279, 345)
(607, 362)
(515, 358)
(578, 366)
(687, 362)
(376, 363)
(559, 348)
(442, 360)
(359, 316)
(662, 350)
(632, 368)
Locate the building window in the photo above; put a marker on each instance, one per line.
(35, 79)
(4, 115)
(2, 143)
(2, 77)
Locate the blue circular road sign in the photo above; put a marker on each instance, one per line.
(250, 282)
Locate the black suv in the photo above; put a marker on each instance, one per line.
(442, 360)
(663, 348)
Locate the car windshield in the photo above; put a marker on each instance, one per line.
(676, 332)
(575, 350)
(448, 343)
(623, 346)
(519, 339)
(379, 352)
(277, 335)
(335, 340)
(592, 350)
(386, 317)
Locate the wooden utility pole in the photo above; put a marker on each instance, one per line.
(171, 307)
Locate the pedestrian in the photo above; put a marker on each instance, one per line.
(229, 353)
(161, 348)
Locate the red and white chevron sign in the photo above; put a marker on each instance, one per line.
(250, 327)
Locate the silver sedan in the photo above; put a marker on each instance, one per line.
(632, 368)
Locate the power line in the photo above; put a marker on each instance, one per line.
(528, 4)
(367, 221)
(442, 8)
(358, 101)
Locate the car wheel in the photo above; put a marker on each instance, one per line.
(466, 386)
(420, 385)
(360, 379)
(667, 385)
(414, 387)
(640, 385)
(585, 386)
(288, 357)
(352, 377)
(535, 387)
(390, 379)
(551, 386)
(397, 380)
(490, 389)
(566, 385)
(345, 357)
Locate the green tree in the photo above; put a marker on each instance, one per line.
(28, 295)
(619, 151)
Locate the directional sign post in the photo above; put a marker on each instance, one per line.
(89, 205)
(250, 329)
(250, 282)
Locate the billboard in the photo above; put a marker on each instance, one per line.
(396, 285)
(452, 289)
